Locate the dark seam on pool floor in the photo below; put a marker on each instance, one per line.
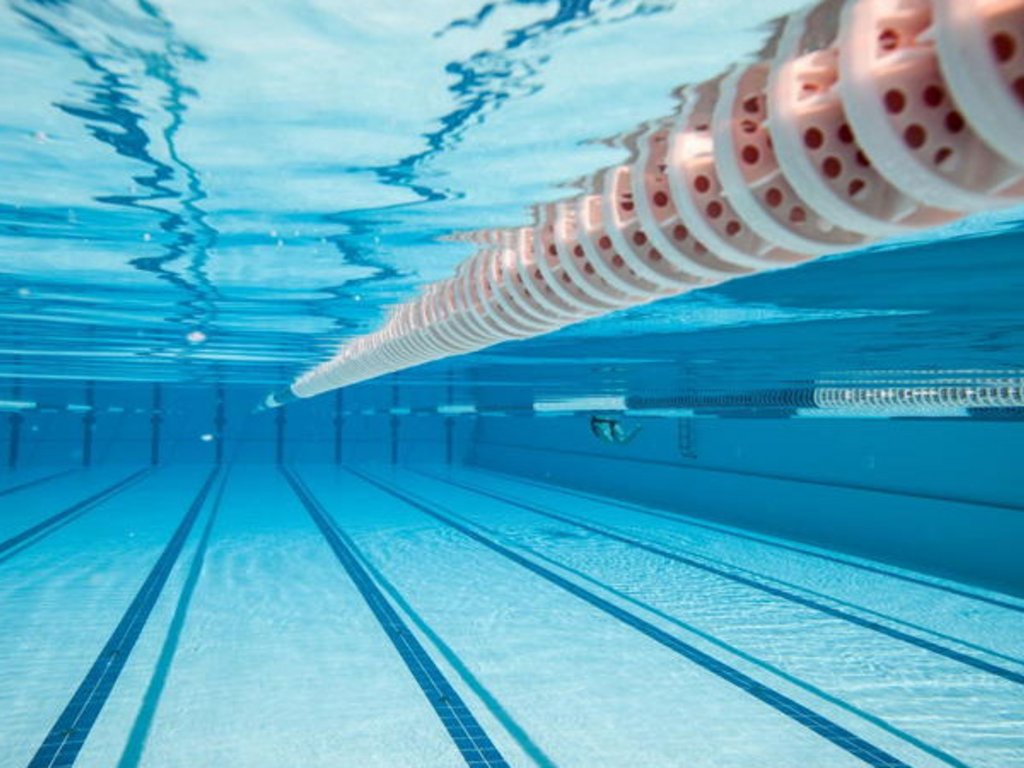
(895, 634)
(54, 522)
(34, 482)
(466, 733)
(137, 736)
(833, 732)
(681, 518)
(67, 736)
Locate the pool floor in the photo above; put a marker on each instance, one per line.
(371, 616)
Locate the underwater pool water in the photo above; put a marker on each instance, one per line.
(774, 522)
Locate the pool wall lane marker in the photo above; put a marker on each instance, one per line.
(831, 731)
(464, 730)
(62, 744)
(681, 518)
(44, 528)
(34, 482)
(722, 572)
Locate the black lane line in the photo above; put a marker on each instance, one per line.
(833, 732)
(35, 482)
(806, 602)
(467, 734)
(53, 522)
(65, 740)
(681, 518)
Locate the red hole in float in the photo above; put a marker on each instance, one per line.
(732, 228)
(660, 199)
(626, 205)
(639, 238)
(751, 155)
(578, 251)
(954, 122)
(552, 250)
(537, 275)
(702, 184)
(933, 95)
(751, 104)
(915, 136)
(773, 197)
(588, 268)
(888, 39)
(700, 248)
(714, 209)
(1018, 88)
(654, 254)
(813, 138)
(942, 155)
(862, 159)
(566, 278)
(617, 260)
(748, 126)
(679, 232)
(832, 167)
(605, 242)
(797, 214)
(1003, 47)
(895, 101)
(855, 186)
(845, 134)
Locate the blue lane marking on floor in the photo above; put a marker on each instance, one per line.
(54, 521)
(682, 518)
(65, 740)
(32, 483)
(833, 732)
(928, 645)
(467, 734)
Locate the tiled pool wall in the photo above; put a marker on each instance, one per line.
(940, 495)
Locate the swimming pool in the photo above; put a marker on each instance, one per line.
(773, 520)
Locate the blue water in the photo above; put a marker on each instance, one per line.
(453, 565)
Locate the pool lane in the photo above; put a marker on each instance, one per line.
(278, 661)
(822, 726)
(33, 480)
(753, 580)
(31, 505)
(69, 733)
(465, 731)
(907, 687)
(586, 686)
(973, 616)
(49, 525)
(61, 598)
